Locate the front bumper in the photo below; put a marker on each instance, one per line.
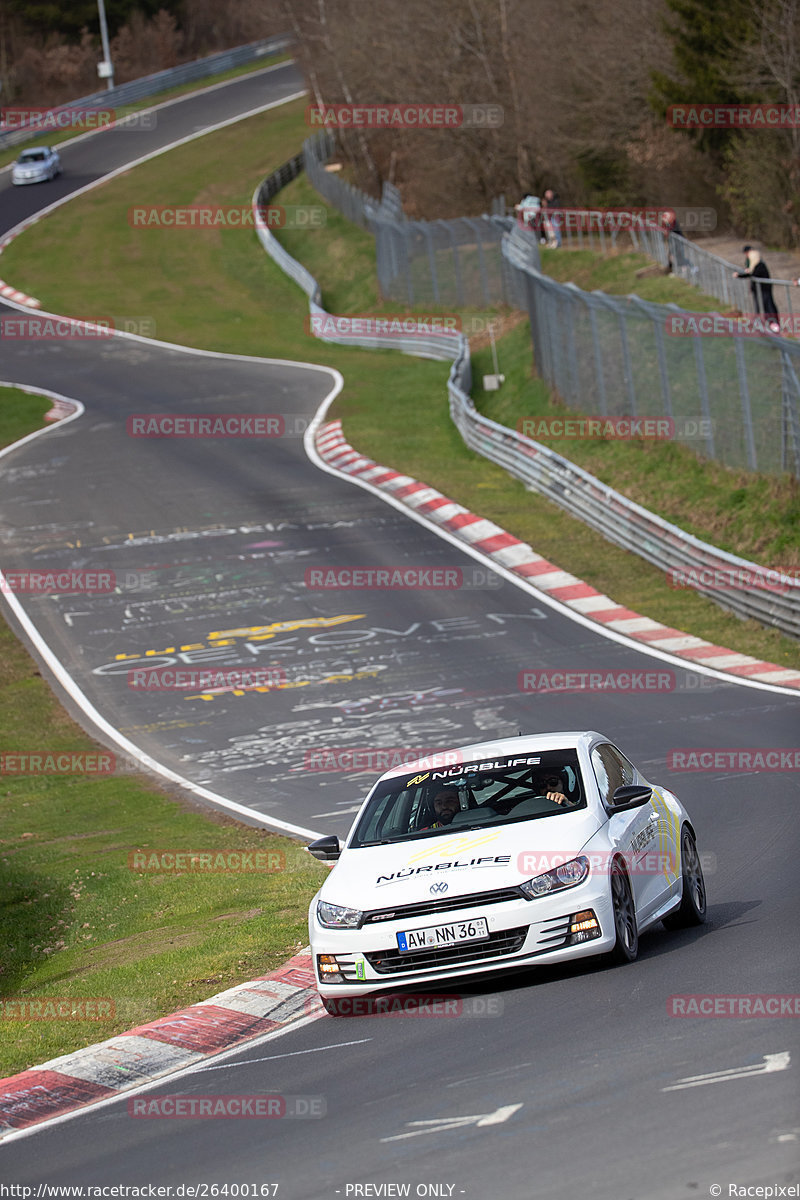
(521, 932)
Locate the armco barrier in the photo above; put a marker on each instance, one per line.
(151, 85)
(571, 488)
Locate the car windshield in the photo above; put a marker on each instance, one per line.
(433, 803)
(33, 156)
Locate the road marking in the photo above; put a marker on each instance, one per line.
(771, 1063)
(272, 1057)
(440, 1124)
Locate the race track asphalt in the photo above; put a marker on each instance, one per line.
(214, 537)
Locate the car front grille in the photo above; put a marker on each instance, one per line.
(394, 962)
(451, 904)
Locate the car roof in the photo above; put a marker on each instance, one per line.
(534, 743)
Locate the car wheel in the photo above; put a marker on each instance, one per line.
(692, 908)
(626, 947)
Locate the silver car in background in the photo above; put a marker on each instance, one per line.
(36, 165)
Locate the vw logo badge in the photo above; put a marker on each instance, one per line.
(438, 887)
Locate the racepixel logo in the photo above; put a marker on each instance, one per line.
(369, 758)
(392, 115)
(716, 1005)
(172, 679)
(58, 1008)
(206, 425)
(383, 325)
(56, 762)
(227, 216)
(216, 1108)
(775, 758)
(575, 679)
(207, 862)
(411, 1005)
(58, 582)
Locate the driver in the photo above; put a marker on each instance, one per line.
(551, 784)
(445, 805)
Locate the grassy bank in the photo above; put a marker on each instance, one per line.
(76, 920)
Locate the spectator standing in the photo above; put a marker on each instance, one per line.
(669, 223)
(552, 219)
(757, 271)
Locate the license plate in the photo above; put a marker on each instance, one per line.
(443, 935)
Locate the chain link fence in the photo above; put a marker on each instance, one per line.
(735, 399)
(454, 263)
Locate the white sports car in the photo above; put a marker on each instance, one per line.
(497, 855)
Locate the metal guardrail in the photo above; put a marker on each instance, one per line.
(734, 583)
(151, 85)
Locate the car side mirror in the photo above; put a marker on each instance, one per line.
(326, 849)
(630, 795)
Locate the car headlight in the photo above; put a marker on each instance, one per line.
(568, 875)
(333, 916)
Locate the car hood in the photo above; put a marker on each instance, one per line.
(458, 863)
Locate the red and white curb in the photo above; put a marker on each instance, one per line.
(516, 556)
(162, 1046)
(7, 291)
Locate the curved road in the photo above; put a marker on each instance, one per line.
(214, 537)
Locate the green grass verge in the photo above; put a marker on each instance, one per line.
(75, 920)
(55, 139)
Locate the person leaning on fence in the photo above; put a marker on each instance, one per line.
(529, 212)
(669, 223)
(757, 271)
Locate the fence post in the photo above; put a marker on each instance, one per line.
(702, 384)
(747, 415)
